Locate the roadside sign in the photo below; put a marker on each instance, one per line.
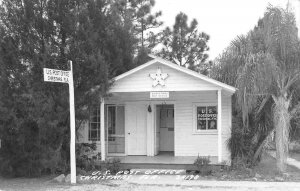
(52, 75)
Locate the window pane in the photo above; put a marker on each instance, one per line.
(212, 117)
(93, 135)
(111, 120)
(95, 114)
(201, 118)
(201, 125)
(212, 113)
(120, 121)
(94, 127)
(212, 124)
(116, 145)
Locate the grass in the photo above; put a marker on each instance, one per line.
(267, 169)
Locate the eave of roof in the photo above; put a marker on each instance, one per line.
(176, 67)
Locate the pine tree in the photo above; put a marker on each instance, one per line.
(184, 45)
(139, 20)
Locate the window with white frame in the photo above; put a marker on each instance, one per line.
(206, 117)
(94, 124)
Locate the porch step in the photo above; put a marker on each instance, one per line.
(157, 166)
(154, 166)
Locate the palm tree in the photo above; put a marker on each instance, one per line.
(266, 71)
(267, 79)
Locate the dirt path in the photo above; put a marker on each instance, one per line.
(290, 161)
(137, 184)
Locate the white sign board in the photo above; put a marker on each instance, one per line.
(157, 95)
(52, 75)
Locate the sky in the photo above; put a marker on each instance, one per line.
(223, 20)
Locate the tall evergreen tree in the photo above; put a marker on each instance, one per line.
(185, 45)
(139, 19)
(34, 122)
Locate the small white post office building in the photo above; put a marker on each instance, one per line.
(160, 107)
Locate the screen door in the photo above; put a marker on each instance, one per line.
(115, 129)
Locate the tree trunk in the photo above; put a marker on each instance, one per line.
(142, 33)
(282, 126)
(260, 148)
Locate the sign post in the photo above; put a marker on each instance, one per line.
(72, 126)
(52, 75)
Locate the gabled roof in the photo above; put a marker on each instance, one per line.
(176, 67)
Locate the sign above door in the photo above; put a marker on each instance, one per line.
(157, 95)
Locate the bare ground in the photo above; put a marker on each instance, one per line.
(43, 184)
(266, 169)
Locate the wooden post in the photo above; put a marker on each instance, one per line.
(219, 126)
(150, 130)
(61, 76)
(72, 127)
(102, 130)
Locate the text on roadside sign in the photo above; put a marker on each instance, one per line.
(52, 75)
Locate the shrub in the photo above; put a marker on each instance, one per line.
(84, 158)
(202, 164)
(241, 163)
(113, 165)
(240, 144)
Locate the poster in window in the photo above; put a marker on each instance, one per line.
(212, 117)
(201, 118)
(212, 124)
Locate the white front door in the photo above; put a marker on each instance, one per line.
(136, 123)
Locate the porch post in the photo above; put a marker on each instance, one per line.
(150, 131)
(102, 130)
(219, 125)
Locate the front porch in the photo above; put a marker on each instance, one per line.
(164, 160)
(135, 131)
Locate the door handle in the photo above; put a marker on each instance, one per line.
(128, 133)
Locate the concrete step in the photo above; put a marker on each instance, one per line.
(163, 166)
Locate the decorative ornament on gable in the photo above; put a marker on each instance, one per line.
(158, 78)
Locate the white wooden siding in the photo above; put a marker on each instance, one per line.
(176, 81)
(189, 143)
